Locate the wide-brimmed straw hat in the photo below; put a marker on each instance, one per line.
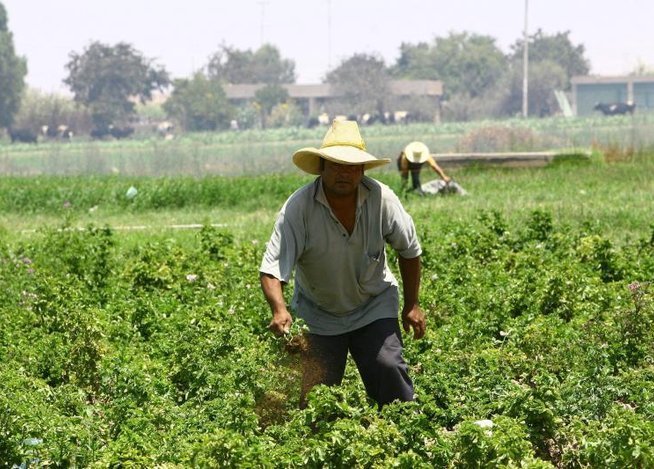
(416, 152)
(342, 144)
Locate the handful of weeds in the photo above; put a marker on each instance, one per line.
(295, 339)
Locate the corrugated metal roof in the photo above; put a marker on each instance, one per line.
(595, 79)
(324, 90)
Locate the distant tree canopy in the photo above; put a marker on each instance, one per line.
(545, 76)
(471, 66)
(199, 104)
(12, 73)
(38, 108)
(479, 80)
(108, 79)
(363, 81)
(556, 48)
(267, 98)
(265, 65)
(553, 61)
(465, 63)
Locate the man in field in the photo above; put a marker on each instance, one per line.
(411, 160)
(332, 233)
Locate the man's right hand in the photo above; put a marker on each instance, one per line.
(272, 290)
(280, 323)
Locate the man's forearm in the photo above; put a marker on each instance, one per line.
(437, 169)
(273, 291)
(410, 272)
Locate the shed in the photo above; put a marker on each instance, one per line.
(590, 90)
(311, 96)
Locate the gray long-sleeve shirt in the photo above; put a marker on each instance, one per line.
(342, 281)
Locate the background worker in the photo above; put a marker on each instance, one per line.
(333, 233)
(411, 160)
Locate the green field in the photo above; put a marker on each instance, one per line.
(130, 339)
(256, 152)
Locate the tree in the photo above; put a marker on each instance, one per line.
(553, 61)
(557, 48)
(467, 64)
(363, 83)
(545, 76)
(286, 114)
(266, 65)
(267, 98)
(12, 73)
(51, 109)
(416, 62)
(199, 104)
(471, 67)
(108, 79)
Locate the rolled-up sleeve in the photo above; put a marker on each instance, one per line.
(399, 229)
(284, 246)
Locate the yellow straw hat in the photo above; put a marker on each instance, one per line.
(416, 152)
(342, 144)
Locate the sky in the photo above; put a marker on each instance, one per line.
(316, 34)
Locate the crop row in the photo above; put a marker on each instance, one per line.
(264, 152)
(538, 352)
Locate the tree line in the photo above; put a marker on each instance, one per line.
(108, 81)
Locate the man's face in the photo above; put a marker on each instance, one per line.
(341, 179)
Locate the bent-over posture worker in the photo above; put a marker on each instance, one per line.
(333, 233)
(412, 159)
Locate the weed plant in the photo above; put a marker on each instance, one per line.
(151, 349)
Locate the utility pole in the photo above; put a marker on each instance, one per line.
(329, 34)
(263, 16)
(525, 67)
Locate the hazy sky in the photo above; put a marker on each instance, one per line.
(181, 35)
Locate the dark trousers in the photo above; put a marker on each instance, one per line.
(377, 352)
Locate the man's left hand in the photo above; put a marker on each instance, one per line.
(414, 318)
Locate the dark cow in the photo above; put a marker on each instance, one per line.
(111, 131)
(49, 131)
(101, 132)
(22, 135)
(614, 109)
(313, 122)
(121, 132)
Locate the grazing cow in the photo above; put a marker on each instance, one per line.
(401, 117)
(48, 131)
(22, 135)
(101, 132)
(613, 109)
(111, 131)
(62, 132)
(120, 132)
(165, 128)
(369, 119)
